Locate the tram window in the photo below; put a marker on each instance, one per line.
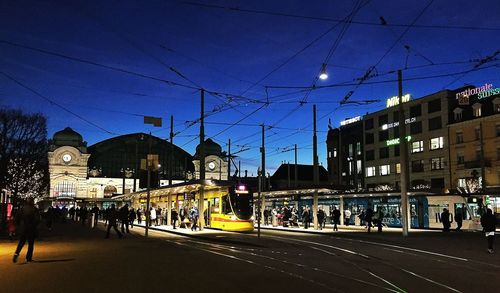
(214, 206)
(226, 206)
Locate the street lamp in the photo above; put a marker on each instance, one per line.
(323, 75)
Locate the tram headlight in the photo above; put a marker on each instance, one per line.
(252, 218)
(233, 218)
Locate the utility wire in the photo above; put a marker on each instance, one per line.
(234, 9)
(52, 102)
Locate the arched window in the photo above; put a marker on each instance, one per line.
(65, 189)
(109, 191)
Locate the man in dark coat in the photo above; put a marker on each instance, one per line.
(459, 219)
(321, 218)
(489, 222)
(369, 218)
(27, 219)
(123, 213)
(305, 217)
(336, 218)
(174, 216)
(445, 219)
(95, 213)
(112, 216)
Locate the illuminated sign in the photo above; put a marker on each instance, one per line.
(469, 92)
(489, 93)
(395, 141)
(350, 120)
(396, 124)
(394, 101)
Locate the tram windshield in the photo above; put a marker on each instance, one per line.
(241, 204)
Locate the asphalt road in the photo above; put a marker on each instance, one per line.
(78, 259)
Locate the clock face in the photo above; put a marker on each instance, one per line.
(211, 166)
(66, 158)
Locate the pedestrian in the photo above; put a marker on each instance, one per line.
(83, 214)
(49, 217)
(336, 218)
(175, 215)
(274, 217)
(362, 218)
(95, 214)
(152, 216)
(305, 217)
(489, 221)
(123, 214)
(321, 217)
(369, 218)
(193, 214)
(131, 217)
(112, 216)
(27, 220)
(459, 219)
(445, 220)
(266, 216)
(347, 216)
(380, 219)
(139, 216)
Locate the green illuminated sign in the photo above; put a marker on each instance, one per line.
(395, 141)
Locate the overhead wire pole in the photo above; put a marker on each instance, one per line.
(403, 151)
(296, 172)
(170, 170)
(315, 172)
(201, 201)
(262, 203)
(229, 159)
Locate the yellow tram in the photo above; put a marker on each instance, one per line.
(227, 206)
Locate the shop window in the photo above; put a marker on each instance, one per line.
(370, 155)
(434, 106)
(476, 109)
(369, 138)
(435, 123)
(385, 170)
(437, 163)
(460, 137)
(368, 124)
(383, 153)
(370, 171)
(416, 111)
(416, 127)
(417, 146)
(437, 143)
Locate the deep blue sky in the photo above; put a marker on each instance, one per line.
(226, 51)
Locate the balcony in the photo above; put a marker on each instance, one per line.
(476, 164)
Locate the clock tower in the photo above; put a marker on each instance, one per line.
(216, 163)
(68, 166)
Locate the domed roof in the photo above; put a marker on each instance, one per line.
(211, 148)
(67, 137)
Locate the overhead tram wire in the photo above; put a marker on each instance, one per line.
(52, 102)
(233, 9)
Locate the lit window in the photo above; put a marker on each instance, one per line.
(437, 143)
(417, 146)
(329, 154)
(437, 163)
(370, 171)
(358, 166)
(461, 182)
(351, 167)
(398, 168)
(350, 150)
(476, 109)
(358, 148)
(385, 170)
(334, 153)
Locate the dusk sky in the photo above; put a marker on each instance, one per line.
(108, 63)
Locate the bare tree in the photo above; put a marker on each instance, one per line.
(23, 153)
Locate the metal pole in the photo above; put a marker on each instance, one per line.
(202, 161)
(229, 160)
(262, 179)
(170, 170)
(148, 198)
(259, 175)
(315, 172)
(404, 158)
(136, 167)
(296, 167)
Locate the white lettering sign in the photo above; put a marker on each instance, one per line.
(394, 101)
(350, 120)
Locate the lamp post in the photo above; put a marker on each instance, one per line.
(150, 163)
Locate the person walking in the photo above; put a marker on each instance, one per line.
(266, 216)
(123, 214)
(131, 218)
(459, 219)
(193, 214)
(445, 220)
(175, 215)
(95, 213)
(112, 217)
(369, 218)
(27, 220)
(489, 222)
(305, 217)
(139, 216)
(347, 216)
(336, 218)
(321, 217)
(380, 219)
(152, 216)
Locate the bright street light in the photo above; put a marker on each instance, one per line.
(323, 74)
